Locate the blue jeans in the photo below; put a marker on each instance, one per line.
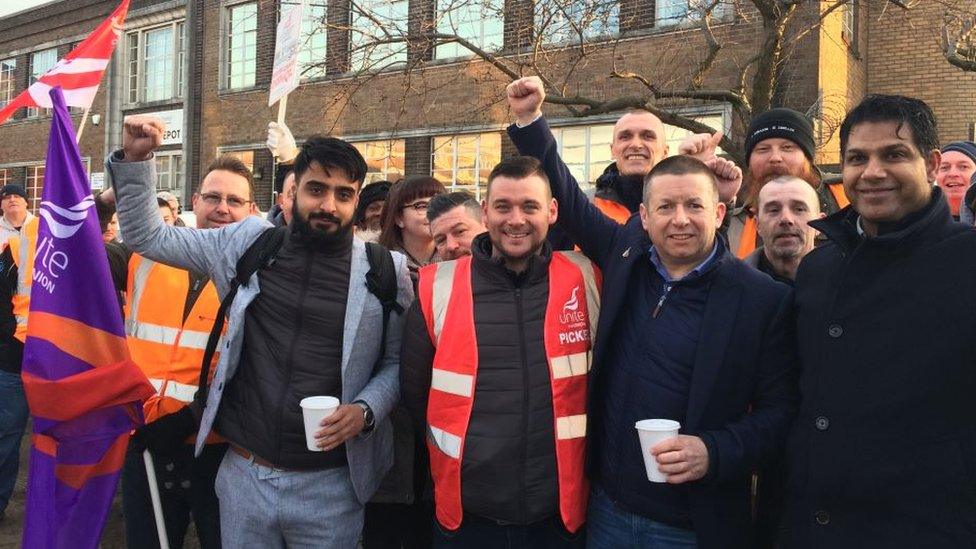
(13, 421)
(610, 527)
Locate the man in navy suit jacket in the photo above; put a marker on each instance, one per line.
(687, 332)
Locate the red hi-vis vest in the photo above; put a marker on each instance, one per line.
(570, 328)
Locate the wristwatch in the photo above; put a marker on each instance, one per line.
(368, 420)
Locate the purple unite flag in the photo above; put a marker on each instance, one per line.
(85, 393)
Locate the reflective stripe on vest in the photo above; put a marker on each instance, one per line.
(22, 248)
(167, 348)
(569, 329)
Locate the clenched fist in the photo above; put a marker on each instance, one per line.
(525, 97)
(141, 135)
(729, 177)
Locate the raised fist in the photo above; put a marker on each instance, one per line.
(141, 135)
(729, 177)
(525, 97)
(700, 145)
(281, 142)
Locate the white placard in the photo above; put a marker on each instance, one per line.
(288, 40)
(97, 180)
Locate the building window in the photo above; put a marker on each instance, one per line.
(384, 159)
(373, 22)
(463, 162)
(849, 23)
(571, 21)
(155, 63)
(5, 176)
(40, 63)
(676, 12)
(35, 182)
(481, 22)
(585, 150)
(311, 56)
(8, 84)
(240, 62)
(169, 172)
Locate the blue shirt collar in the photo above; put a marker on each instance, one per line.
(696, 272)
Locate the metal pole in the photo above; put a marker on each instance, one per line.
(156, 503)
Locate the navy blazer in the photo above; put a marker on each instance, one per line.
(744, 383)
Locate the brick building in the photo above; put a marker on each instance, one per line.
(205, 66)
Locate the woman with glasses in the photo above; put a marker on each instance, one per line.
(405, 228)
(401, 512)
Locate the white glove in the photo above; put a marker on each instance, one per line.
(281, 142)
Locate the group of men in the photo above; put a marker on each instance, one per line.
(823, 391)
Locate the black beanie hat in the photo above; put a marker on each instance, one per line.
(967, 148)
(785, 124)
(373, 192)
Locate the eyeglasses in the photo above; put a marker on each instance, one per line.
(215, 199)
(418, 206)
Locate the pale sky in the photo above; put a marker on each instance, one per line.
(13, 6)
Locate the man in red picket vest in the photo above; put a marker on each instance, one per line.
(495, 357)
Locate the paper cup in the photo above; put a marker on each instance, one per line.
(652, 431)
(314, 410)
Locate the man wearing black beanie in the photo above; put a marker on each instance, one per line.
(372, 199)
(956, 169)
(779, 142)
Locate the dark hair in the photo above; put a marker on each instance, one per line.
(105, 212)
(401, 193)
(679, 165)
(443, 203)
(162, 202)
(330, 152)
(895, 108)
(518, 167)
(234, 165)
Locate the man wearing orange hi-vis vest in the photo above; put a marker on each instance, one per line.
(494, 364)
(169, 313)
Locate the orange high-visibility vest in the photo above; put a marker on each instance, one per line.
(614, 210)
(747, 240)
(168, 349)
(570, 328)
(22, 248)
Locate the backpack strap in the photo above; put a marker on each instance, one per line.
(259, 254)
(381, 281)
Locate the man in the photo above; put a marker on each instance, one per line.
(168, 314)
(779, 142)
(955, 171)
(477, 374)
(303, 325)
(369, 212)
(280, 214)
(883, 448)
(13, 201)
(786, 205)
(174, 204)
(455, 220)
(166, 212)
(688, 333)
(639, 142)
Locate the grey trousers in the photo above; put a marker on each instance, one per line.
(270, 508)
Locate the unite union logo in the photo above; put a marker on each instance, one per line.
(73, 216)
(573, 303)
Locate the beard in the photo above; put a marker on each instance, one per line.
(318, 237)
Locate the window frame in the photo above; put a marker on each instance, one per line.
(177, 54)
(391, 147)
(225, 73)
(441, 14)
(39, 112)
(366, 64)
(452, 185)
(722, 12)
(566, 37)
(11, 81)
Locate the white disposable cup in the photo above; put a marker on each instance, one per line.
(652, 431)
(314, 410)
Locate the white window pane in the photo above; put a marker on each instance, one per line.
(241, 45)
(387, 20)
(311, 56)
(41, 62)
(570, 20)
(481, 22)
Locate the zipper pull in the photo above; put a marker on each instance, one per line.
(660, 303)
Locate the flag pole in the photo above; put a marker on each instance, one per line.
(156, 502)
(81, 126)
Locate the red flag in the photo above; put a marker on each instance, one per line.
(79, 73)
